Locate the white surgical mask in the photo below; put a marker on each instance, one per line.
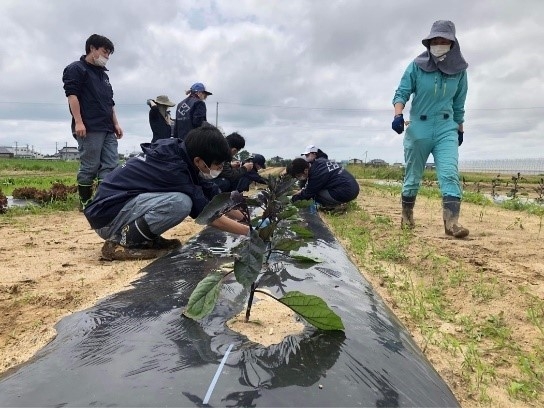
(439, 50)
(101, 61)
(211, 175)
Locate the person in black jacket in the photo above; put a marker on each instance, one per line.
(159, 117)
(157, 190)
(232, 169)
(191, 112)
(326, 182)
(94, 122)
(252, 176)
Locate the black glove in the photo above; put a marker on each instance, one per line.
(460, 137)
(398, 124)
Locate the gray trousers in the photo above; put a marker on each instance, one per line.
(161, 211)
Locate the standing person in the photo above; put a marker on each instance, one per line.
(327, 182)
(156, 191)
(94, 121)
(159, 117)
(312, 152)
(438, 80)
(191, 112)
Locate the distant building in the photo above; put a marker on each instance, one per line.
(355, 161)
(377, 163)
(399, 165)
(68, 153)
(430, 166)
(6, 152)
(23, 152)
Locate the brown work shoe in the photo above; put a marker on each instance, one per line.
(112, 251)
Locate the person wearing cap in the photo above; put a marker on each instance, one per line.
(438, 80)
(191, 112)
(159, 117)
(312, 152)
(251, 175)
(328, 183)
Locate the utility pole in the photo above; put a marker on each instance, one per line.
(16, 147)
(216, 113)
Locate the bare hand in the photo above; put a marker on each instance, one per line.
(235, 164)
(118, 131)
(80, 129)
(248, 166)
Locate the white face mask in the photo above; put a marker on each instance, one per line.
(211, 175)
(101, 61)
(439, 50)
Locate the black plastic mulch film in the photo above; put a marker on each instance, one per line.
(136, 349)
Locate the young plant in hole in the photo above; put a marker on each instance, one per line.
(276, 229)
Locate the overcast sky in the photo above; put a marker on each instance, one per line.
(284, 73)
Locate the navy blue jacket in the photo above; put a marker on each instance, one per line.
(328, 175)
(160, 128)
(190, 113)
(164, 166)
(91, 85)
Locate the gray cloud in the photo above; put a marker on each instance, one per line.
(284, 74)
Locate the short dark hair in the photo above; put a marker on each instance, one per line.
(236, 141)
(297, 167)
(208, 143)
(98, 41)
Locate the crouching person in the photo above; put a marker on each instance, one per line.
(156, 191)
(327, 182)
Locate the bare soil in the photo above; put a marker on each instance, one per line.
(50, 267)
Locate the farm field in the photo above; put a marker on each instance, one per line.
(474, 306)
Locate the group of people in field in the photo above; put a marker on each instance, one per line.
(188, 161)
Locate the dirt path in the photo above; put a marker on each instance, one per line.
(50, 267)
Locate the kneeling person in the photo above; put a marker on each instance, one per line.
(156, 191)
(327, 182)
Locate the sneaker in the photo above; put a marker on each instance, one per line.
(112, 251)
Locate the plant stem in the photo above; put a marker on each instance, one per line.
(250, 301)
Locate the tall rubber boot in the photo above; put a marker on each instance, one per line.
(85, 195)
(407, 220)
(451, 207)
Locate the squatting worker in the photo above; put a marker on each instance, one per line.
(156, 191)
(438, 80)
(327, 182)
(191, 112)
(94, 122)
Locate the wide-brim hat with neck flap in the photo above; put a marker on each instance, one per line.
(163, 100)
(441, 28)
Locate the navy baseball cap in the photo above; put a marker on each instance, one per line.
(199, 87)
(259, 159)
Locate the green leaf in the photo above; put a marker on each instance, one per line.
(304, 258)
(302, 231)
(313, 309)
(249, 263)
(203, 299)
(220, 204)
(288, 212)
(287, 244)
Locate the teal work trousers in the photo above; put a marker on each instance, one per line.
(436, 135)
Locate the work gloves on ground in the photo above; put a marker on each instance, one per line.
(398, 124)
(460, 137)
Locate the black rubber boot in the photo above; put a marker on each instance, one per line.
(407, 220)
(451, 206)
(85, 195)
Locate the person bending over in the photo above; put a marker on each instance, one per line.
(327, 182)
(156, 191)
(258, 162)
(232, 169)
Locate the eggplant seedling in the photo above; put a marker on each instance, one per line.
(277, 228)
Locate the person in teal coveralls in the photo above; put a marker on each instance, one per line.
(437, 79)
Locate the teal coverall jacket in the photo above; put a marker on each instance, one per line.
(438, 107)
